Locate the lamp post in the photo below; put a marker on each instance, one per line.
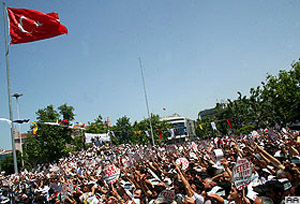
(17, 95)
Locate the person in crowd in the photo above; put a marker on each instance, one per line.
(199, 172)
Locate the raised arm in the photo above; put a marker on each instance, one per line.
(270, 158)
(187, 185)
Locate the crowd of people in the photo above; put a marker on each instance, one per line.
(182, 173)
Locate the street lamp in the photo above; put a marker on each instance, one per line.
(17, 95)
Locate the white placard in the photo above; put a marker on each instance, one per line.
(169, 195)
(195, 147)
(193, 155)
(184, 162)
(241, 174)
(127, 163)
(111, 174)
(217, 155)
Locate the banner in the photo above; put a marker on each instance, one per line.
(35, 127)
(172, 132)
(6, 120)
(137, 132)
(159, 133)
(102, 137)
(227, 120)
(200, 126)
(213, 125)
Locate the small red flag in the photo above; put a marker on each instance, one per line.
(28, 25)
(159, 131)
(64, 122)
(228, 122)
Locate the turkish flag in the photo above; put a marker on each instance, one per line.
(28, 25)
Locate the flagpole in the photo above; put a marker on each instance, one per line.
(9, 93)
(149, 115)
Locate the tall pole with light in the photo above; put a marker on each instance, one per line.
(17, 95)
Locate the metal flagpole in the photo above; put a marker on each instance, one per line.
(149, 115)
(17, 95)
(9, 93)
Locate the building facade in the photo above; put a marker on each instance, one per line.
(184, 128)
(17, 138)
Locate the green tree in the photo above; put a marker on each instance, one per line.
(96, 127)
(7, 164)
(51, 142)
(127, 133)
(47, 114)
(123, 131)
(67, 112)
(276, 101)
(206, 130)
(282, 95)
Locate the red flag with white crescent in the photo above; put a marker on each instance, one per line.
(28, 25)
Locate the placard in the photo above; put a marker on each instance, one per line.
(168, 195)
(68, 187)
(111, 174)
(184, 162)
(241, 174)
(193, 155)
(127, 163)
(217, 155)
(194, 146)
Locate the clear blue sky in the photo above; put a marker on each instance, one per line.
(194, 53)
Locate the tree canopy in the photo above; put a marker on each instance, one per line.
(51, 142)
(276, 101)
